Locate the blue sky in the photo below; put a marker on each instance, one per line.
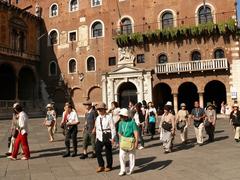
(238, 7)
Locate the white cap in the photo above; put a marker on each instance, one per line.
(169, 103)
(123, 112)
(15, 105)
(49, 106)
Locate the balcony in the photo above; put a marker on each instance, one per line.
(17, 53)
(191, 66)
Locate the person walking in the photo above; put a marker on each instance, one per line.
(168, 129)
(22, 136)
(151, 116)
(131, 109)
(139, 119)
(13, 132)
(198, 116)
(182, 122)
(105, 133)
(128, 133)
(49, 121)
(235, 121)
(89, 133)
(210, 121)
(114, 112)
(70, 121)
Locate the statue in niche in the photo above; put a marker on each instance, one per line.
(126, 56)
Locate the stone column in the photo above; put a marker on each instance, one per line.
(110, 91)
(201, 101)
(140, 90)
(104, 89)
(175, 102)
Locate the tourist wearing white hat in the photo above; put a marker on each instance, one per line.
(182, 122)
(50, 120)
(128, 134)
(235, 121)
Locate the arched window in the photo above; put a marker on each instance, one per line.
(73, 5)
(219, 53)
(97, 29)
(91, 64)
(96, 2)
(72, 66)
(52, 68)
(167, 20)
(196, 56)
(54, 10)
(205, 15)
(126, 26)
(162, 58)
(53, 37)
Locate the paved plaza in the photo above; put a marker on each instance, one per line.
(216, 161)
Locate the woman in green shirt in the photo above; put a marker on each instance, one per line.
(128, 131)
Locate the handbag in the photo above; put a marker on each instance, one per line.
(106, 136)
(127, 143)
(236, 121)
(181, 125)
(166, 126)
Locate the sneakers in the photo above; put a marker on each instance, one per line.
(83, 156)
(121, 173)
(100, 169)
(140, 147)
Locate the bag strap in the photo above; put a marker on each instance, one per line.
(125, 128)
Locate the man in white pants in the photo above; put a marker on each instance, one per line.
(128, 129)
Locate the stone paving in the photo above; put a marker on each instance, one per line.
(216, 161)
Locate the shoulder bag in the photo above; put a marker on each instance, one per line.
(126, 143)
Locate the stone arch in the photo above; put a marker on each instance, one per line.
(127, 91)
(27, 84)
(7, 81)
(95, 94)
(188, 94)
(215, 92)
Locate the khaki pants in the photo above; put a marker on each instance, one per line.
(183, 134)
(237, 132)
(199, 133)
(122, 159)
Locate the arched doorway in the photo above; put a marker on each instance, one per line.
(59, 99)
(188, 94)
(215, 91)
(8, 82)
(161, 94)
(26, 84)
(127, 92)
(95, 94)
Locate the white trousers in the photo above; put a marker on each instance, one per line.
(199, 133)
(122, 158)
(237, 133)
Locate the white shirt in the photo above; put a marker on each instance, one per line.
(72, 117)
(107, 125)
(23, 122)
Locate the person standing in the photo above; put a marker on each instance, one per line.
(128, 132)
(182, 122)
(105, 133)
(70, 121)
(198, 116)
(151, 116)
(114, 112)
(131, 109)
(139, 119)
(235, 121)
(210, 121)
(168, 129)
(49, 121)
(22, 137)
(89, 134)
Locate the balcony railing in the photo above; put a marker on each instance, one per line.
(189, 66)
(17, 53)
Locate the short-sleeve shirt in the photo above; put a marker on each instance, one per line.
(198, 112)
(90, 117)
(127, 128)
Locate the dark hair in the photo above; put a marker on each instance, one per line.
(166, 108)
(138, 105)
(18, 108)
(115, 104)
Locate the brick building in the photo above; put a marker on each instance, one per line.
(19, 58)
(178, 50)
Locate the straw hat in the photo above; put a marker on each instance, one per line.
(49, 106)
(236, 105)
(169, 103)
(182, 105)
(15, 105)
(101, 106)
(123, 112)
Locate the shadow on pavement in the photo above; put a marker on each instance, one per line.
(219, 131)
